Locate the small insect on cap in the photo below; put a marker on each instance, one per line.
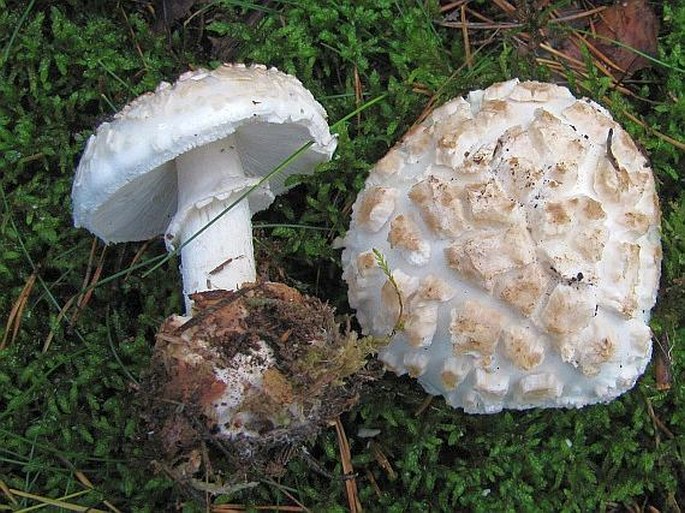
(520, 226)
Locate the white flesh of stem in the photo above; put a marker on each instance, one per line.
(221, 257)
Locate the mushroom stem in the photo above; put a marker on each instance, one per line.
(222, 256)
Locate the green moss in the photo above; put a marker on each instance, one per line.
(66, 67)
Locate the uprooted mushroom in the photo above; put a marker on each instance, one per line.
(254, 364)
(513, 237)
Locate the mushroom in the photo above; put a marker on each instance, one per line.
(173, 160)
(260, 367)
(513, 238)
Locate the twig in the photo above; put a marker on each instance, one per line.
(133, 38)
(580, 15)
(374, 483)
(505, 6)
(662, 363)
(62, 313)
(89, 282)
(58, 503)
(348, 470)
(17, 312)
(289, 495)
(475, 25)
(5, 489)
(83, 479)
(597, 53)
(223, 264)
(358, 93)
(382, 460)
(658, 423)
(237, 508)
(201, 315)
(313, 464)
(136, 258)
(430, 106)
(453, 5)
(610, 152)
(465, 37)
(668, 139)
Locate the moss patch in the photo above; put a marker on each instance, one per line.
(68, 375)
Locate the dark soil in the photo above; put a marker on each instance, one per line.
(314, 379)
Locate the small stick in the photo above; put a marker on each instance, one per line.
(136, 258)
(348, 470)
(5, 489)
(314, 465)
(505, 6)
(237, 508)
(285, 492)
(87, 483)
(430, 106)
(84, 298)
(678, 144)
(374, 483)
(223, 264)
(465, 36)
(453, 5)
(17, 312)
(62, 313)
(383, 460)
(358, 93)
(662, 363)
(197, 318)
(658, 423)
(133, 37)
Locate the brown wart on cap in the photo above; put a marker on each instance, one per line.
(538, 214)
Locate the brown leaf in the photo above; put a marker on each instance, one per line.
(632, 23)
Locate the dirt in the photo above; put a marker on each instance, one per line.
(315, 375)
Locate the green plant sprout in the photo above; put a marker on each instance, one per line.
(385, 267)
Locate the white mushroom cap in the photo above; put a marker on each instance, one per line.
(126, 185)
(524, 226)
(175, 160)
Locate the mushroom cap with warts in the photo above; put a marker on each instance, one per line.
(126, 186)
(524, 225)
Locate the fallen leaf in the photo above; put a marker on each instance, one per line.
(633, 24)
